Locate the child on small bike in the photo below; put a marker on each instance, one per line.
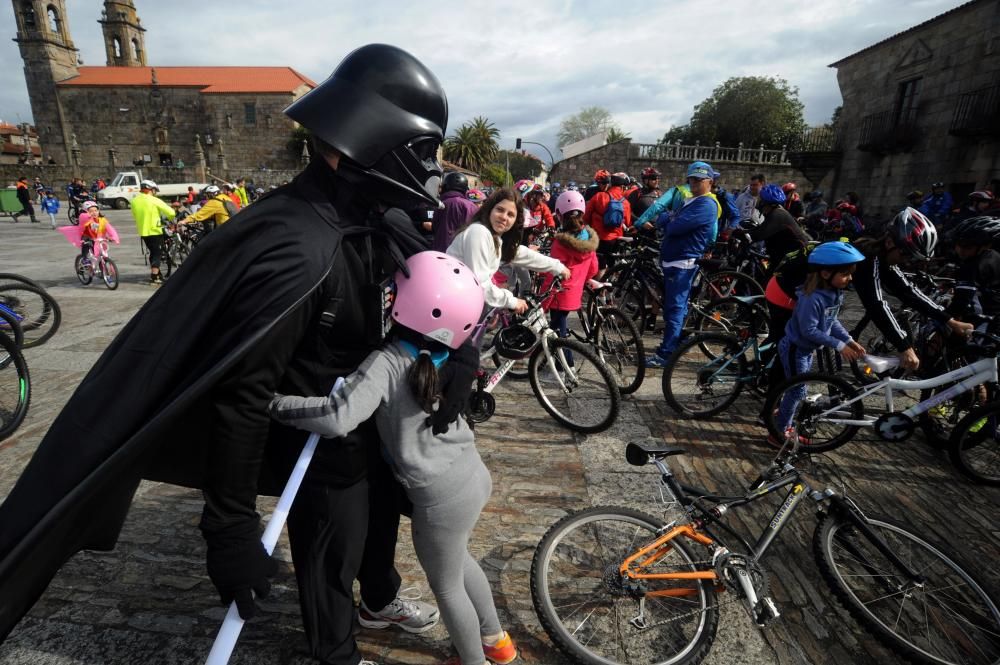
(814, 321)
(93, 227)
(576, 247)
(435, 311)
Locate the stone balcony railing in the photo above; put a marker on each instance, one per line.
(711, 154)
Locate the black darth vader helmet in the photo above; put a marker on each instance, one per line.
(386, 113)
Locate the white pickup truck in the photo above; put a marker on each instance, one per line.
(125, 185)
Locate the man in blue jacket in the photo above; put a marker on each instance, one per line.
(937, 205)
(686, 237)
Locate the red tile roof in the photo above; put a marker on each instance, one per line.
(212, 80)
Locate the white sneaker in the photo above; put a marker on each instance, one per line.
(413, 616)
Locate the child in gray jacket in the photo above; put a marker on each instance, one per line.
(435, 310)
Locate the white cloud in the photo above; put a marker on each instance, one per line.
(523, 69)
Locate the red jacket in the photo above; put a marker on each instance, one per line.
(581, 260)
(543, 216)
(593, 216)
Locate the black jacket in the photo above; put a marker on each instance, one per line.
(193, 372)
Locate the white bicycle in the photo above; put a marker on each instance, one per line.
(830, 411)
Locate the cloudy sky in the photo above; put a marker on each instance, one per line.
(526, 69)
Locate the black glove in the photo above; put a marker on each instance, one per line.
(238, 564)
(456, 385)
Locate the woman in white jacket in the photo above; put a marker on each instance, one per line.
(492, 237)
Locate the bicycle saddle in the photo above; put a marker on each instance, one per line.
(749, 300)
(710, 264)
(880, 365)
(638, 454)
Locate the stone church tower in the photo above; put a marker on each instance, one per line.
(49, 57)
(123, 36)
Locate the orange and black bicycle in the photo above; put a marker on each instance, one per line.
(614, 586)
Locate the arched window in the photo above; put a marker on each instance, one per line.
(117, 46)
(136, 53)
(54, 26)
(29, 15)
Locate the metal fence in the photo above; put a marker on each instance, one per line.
(977, 112)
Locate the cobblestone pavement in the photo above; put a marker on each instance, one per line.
(150, 600)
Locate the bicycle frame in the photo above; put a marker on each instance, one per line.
(537, 321)
(967, 378)
(634, 564)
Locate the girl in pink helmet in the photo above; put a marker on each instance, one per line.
(434, 312)
(576, 247)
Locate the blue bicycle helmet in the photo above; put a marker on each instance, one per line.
(836, 253)
(772, 194)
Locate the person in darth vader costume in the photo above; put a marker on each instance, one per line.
(288, 296)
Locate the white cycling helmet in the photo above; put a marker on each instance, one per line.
(148, 184)
(211, 190)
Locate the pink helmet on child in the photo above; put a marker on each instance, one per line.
(441, 299)
(569, 201)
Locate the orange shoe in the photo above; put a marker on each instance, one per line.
(502, 652)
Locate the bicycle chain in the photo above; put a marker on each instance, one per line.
(702, 565)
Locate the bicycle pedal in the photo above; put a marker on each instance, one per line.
(766, 611)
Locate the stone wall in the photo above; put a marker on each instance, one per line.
(955, 54)
(58, 177)
(624, 156)
(135, 122)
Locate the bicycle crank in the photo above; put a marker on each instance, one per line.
(895, 426)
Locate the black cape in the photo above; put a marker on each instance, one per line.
(240, 282)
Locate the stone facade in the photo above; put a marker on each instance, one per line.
(735, 167)
(99, 120)
(922, 106)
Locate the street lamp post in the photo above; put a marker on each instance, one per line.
(552, 161)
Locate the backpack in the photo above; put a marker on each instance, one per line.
(231, 208)
(614, 214)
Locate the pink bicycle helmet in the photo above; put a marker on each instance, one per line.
(441, 299)
(569, 201)
(87, 205)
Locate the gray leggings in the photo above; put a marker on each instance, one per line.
(443, 518)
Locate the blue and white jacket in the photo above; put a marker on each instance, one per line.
(689, 233)
(814, 321)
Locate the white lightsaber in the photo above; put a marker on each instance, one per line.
(229, 633)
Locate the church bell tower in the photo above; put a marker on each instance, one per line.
(124, 42)
(49, 57)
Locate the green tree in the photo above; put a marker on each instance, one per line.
(615, 135)
(521, 166)
(473, 145)
(753, 109)
(587, 122)
(496, 175)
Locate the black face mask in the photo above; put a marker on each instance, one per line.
(405, 177)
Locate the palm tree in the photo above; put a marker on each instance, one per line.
(615, 135)
(473, 145)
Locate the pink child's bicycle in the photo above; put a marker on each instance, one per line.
(98, 264)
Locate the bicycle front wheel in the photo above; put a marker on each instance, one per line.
(581, 393)
(975, 444)
(700, 384)
(83, 272)
(37, 311)
(947, 617)
(15, 387)
(821, 403)
(109, 274)
(619, 345)
(593, 615)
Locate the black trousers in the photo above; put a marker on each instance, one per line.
(155, 246)
(337, 535)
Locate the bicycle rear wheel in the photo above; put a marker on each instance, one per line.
(975, 445)
(581, 394)
(589, 611)
(37, 311)
(15, 387)
(619, 345)
(698, 384)
(109, 273)
(817, 410)
(948, 618)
